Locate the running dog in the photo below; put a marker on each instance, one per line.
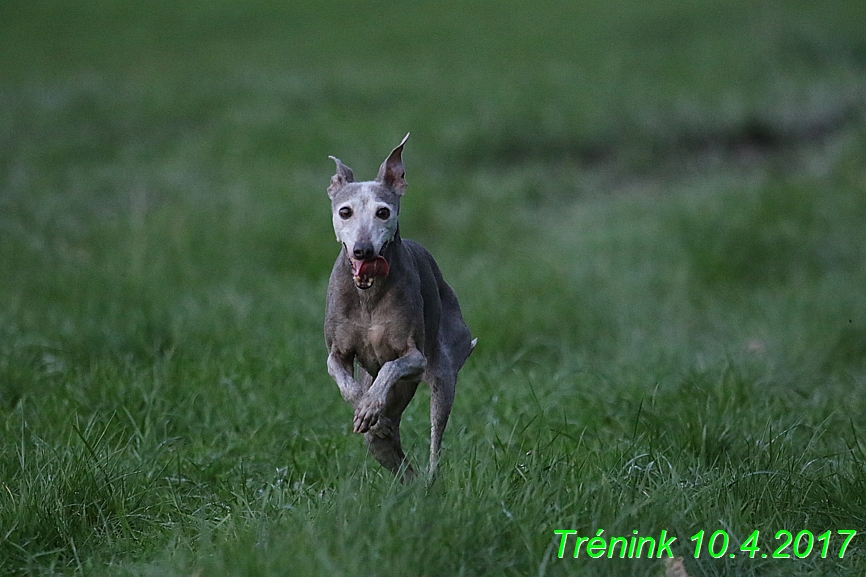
(391, 320)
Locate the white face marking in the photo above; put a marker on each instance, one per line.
(363, 225)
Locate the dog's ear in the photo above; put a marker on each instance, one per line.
(391, 173)
(341, 178)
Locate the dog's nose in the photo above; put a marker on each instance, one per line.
(363, 251)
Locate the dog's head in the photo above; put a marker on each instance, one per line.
(365, 215)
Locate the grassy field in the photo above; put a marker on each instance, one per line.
(654, 215)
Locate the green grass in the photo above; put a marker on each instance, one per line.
(654, 215)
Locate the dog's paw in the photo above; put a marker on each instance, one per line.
(383, 429)
(367, 414)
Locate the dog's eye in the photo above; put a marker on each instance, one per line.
(345, 212)
(383, 213)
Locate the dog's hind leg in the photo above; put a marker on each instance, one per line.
(442, 390)
(383, 438)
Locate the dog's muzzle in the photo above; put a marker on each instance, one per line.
(368, 268)
(364, 272)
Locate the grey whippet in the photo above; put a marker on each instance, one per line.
(390, 311)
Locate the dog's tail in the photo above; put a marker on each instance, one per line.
(472, 345)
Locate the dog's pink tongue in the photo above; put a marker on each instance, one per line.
(375, 267)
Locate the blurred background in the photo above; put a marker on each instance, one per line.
(156, 154)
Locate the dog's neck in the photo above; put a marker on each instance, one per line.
(391, 253)
(392, 246)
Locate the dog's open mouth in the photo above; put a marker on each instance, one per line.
(364, 272)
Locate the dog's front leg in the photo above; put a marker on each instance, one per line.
(367, 411)
(340, 368)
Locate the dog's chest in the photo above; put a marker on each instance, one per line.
(376, 336)
(377, 346)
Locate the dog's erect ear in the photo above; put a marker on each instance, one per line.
(343, 176)
(391, 173)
